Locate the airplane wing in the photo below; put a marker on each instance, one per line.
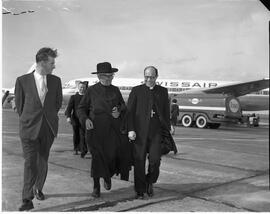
(239, 89)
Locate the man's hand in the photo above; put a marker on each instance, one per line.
(132, 135)
(115, 112)
(172, 130)
(69, 120)
(89, 124)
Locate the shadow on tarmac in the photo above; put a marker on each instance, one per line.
(164, 192)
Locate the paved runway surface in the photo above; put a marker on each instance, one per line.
(215, 170)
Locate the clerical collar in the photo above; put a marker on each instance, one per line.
(151, 88)
(104, 85)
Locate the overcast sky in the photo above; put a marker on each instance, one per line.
(184, 39)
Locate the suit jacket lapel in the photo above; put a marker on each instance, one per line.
(34, 86)
(49, 81)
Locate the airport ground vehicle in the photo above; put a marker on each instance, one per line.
(208, 110)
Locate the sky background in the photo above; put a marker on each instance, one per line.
(184, 39)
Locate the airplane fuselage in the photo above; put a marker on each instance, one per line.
(251, 102)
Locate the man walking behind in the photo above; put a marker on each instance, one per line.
(79, 143)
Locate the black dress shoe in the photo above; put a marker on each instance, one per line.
(107, 183)
(39, 195)
(83, 154)
(26, 205)
(139, 195)
(96, 192)
(149, 190)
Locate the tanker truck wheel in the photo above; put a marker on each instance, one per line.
(201, 122)
(186, 120)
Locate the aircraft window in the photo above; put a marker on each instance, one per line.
(177, 89)
(174, 89)
(260, 92)
(69, 87)
(125, 87)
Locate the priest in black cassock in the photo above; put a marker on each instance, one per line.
(148, 116)
(107, 109)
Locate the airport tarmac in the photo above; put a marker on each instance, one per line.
(222, 170)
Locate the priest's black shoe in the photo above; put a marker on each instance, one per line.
(139, 195)
(26, 205)
(83, 154)
(39, 195)
(107, 183)
(96, 192)
(149, 190)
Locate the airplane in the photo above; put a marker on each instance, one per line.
(253, 95)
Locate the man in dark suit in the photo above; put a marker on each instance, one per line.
(38, 98)
(79, 143)
(174, 115)
(149, 113)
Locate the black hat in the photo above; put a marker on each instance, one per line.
(105, 67)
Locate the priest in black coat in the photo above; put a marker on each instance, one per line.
(148, 115)
(101, 111)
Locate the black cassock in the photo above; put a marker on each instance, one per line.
(148, 116)
(108, 142)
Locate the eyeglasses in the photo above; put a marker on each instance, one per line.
(107, 76)
(150, 77)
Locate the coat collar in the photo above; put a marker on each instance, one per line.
(146, 87)
(34, 86)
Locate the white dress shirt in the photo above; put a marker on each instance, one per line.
(39, 81)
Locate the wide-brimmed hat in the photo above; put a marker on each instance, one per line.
(105, 67)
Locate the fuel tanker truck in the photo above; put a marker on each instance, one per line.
(208, 110)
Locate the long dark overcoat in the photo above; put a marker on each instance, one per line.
(139, 112)
(106, 142)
